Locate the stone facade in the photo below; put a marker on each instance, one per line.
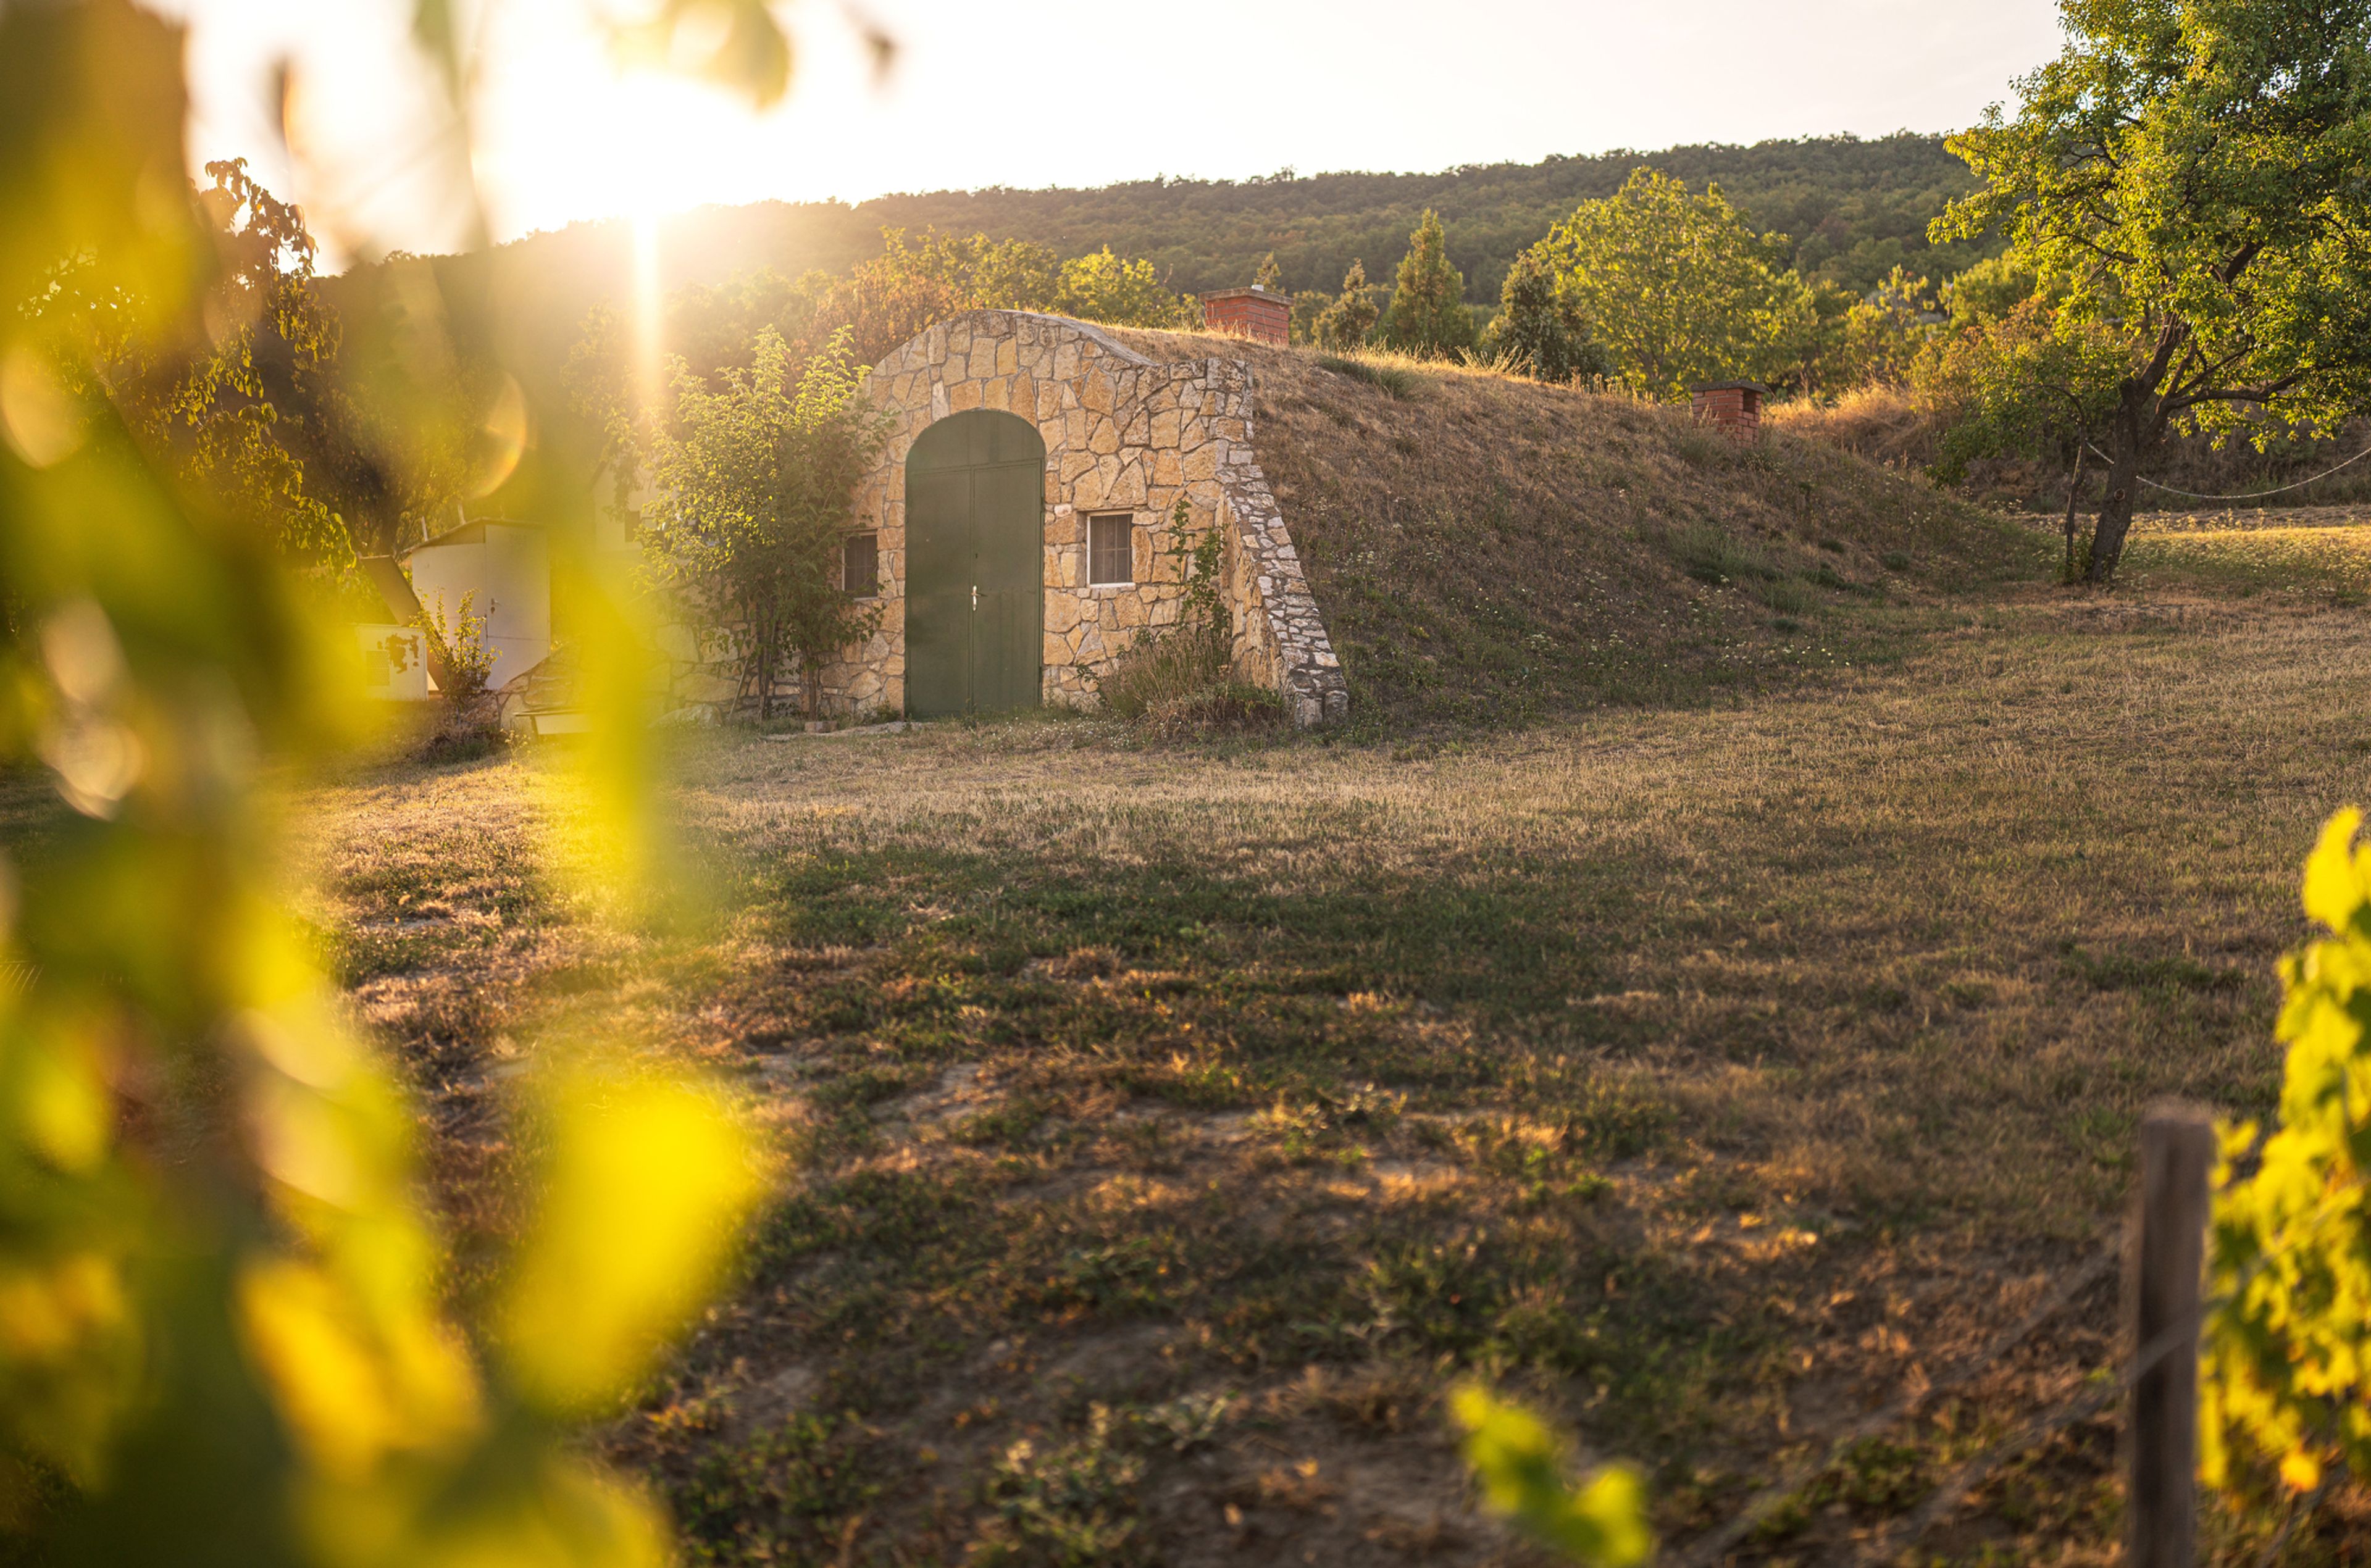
(1123, 435)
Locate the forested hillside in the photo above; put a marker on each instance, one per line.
(1853, 209)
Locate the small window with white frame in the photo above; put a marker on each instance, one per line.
(1111, 548)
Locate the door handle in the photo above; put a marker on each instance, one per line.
(974, 597)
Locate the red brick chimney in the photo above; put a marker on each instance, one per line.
(1733, 408)
(1249, 312)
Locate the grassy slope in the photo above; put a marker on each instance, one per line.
(1486, 548)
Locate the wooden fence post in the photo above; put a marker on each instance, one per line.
(2177, 1159)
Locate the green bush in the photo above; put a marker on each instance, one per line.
(2283, 1381)
(1712, 557)
(1391, 380)
(1539, 331)
(1790, 595)
(1153, 672)
(1350, 316)
(467, 661)
(230, 1329)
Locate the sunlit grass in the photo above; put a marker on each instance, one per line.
(1697, 1070)
(2252, 551)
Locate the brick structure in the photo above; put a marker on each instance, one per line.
(1125, 439)
(1734, 407)
(1249, 312)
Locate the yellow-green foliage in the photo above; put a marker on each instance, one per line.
(225, 1332)
(2288, 1354)
(1522, 1467)
(1677, 288)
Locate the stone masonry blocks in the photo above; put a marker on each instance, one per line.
(1123, 434)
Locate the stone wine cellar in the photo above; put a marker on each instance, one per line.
(1017, 530)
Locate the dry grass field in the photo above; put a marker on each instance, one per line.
(1165, 1128)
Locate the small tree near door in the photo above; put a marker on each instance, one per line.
(761, 471)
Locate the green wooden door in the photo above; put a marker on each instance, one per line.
(975, 565)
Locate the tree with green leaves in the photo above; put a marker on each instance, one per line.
(1677, 289)
(888, 299)
(1427, 314)
(1538, 330)
(2027, 384)
(1988, 291)
(1271, 276)
(1119, 292)
(1308, 306)
(1880, 335)
(1345, 322)
(198, 404)
(2191, 179)
(758, 473)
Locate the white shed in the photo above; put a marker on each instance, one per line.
(504, 570)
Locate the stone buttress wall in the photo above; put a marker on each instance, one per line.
(1123, 435)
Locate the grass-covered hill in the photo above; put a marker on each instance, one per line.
(1488, 550)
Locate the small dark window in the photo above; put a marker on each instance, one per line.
(1111, 548)
(859, 565)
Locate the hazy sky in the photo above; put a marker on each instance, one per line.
(1063, 92)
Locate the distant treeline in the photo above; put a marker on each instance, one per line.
(1854, 209)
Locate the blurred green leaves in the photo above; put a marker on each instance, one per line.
(2287, 1357)
(739, 44)
(644, 1181)
(224, 1330)
(1523, 1467)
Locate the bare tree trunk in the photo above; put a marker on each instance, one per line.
(761, 656)
(2073, 493)
(740, 683)
(2133, 431)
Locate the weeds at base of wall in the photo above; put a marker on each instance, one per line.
(472, 740)
(1183, 684)
(797, 723)
(1230, 706)
(467, 731)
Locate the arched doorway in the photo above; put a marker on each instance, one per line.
(975, 565)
